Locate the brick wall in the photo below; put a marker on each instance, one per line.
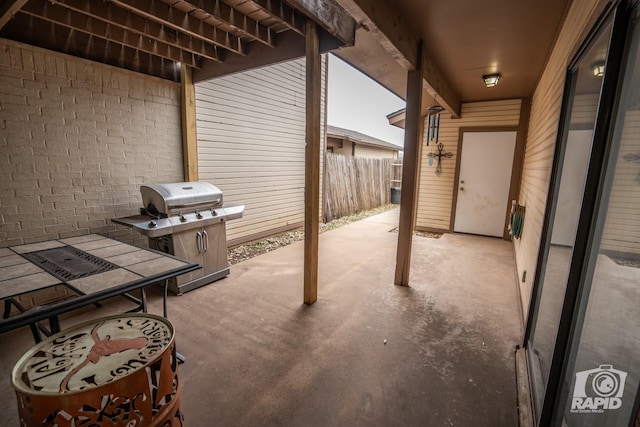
(77, 139)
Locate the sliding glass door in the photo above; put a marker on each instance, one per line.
(602, 372)
(583, 333)
(572, 157)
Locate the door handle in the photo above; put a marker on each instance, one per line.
(205, 240)
(199, 242)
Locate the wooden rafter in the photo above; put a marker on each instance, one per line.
(211, 37)
(50, 36)
(8, 8)
(283, 14)
(228, 16)
(95, 27)
(116, 16)
(182, 22)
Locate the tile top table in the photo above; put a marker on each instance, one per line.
(94, 266)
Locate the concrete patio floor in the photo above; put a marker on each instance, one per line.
(257, 356)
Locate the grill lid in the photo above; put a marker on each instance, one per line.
(173, 198)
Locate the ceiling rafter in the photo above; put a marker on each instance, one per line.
(8, 8)
(214, 37)
(224, 14)
(281, 12)
(181, 21)
(135, 23)
(51, 36)
(91, 26)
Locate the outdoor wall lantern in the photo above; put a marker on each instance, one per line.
(491, 80)
(598, 69)
(433, 123)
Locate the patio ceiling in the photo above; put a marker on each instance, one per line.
(462, 40)
(156, 36)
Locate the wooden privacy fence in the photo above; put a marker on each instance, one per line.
(354, 184)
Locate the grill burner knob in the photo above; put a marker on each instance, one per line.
(182, 218)
(152, 224)
(213, 212)
(198, 215)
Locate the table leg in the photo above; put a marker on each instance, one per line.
(54, 324)
(7, 308)
(179, 356)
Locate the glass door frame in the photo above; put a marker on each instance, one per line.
(607, 107)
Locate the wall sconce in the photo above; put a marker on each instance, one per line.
(598, 69)
(491, 80)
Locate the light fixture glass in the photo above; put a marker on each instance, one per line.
(491, 80)
(598, 69)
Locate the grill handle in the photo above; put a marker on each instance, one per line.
(205, 240)
(199, 241)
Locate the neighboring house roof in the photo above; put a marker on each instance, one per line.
(360, 138)
(397, 118)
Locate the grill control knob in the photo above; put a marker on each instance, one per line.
(213, 212)
(198, 215)
(182, 218)
(152, 224)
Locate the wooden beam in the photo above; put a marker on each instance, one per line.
(188, 107)
(289, 45)
(330, 16)
(312, 163)
(94, 27)
(118, 17)
(8, 9)
(385, 23)
(410, 172)
(181, 22)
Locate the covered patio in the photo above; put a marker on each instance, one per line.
(367, 353)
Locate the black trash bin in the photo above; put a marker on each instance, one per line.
(395, 195)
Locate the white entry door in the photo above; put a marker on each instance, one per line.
(483, 187)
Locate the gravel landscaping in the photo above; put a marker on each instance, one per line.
(244, 252)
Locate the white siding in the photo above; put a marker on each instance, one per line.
(435, 198)
(251, 144)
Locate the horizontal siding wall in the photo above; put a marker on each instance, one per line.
(543, 128)
(435, 200)
(251, 144)
(622, 226)
(374, 152)
(78, 139)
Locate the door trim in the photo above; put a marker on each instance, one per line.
(518, 157)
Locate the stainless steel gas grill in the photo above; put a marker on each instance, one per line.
(186, 219)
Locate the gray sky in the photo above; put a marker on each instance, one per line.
(358, 103)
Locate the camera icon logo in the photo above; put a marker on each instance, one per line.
(598, 389)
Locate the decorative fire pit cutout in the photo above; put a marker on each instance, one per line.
(69, 263)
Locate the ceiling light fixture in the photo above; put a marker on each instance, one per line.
(491, 80)
(598, 69)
